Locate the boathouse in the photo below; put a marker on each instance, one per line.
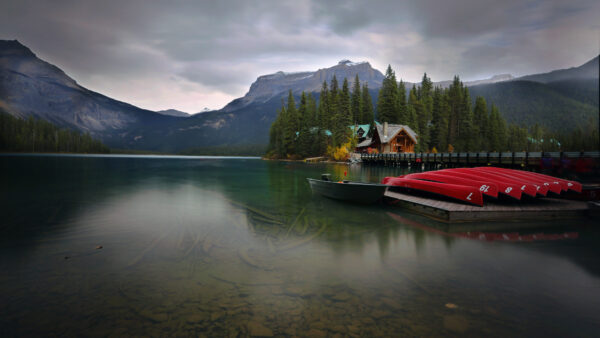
(390, 138)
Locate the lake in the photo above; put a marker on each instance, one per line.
(188, 246)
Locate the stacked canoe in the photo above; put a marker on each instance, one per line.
(472, 185)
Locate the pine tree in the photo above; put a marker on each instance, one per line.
(401, 105)
(313, 126)
(425, 113)
(290, 125)
(303, 138)
(465, 134)
(497, 127)
(342, 116)
(439, 131)
(324, 112)
(334, 102)
(455, 104)
(356, 102)
(276, 137)
(480, 125)
(387, 102)
(367, 107)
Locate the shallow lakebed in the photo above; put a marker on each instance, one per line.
(152, 245)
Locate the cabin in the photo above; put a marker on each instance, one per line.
(390, 138)
(361, 131)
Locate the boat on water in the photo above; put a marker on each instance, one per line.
(463, 193)
(357, 192)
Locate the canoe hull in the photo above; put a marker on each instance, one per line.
(465, 194)
(363, 193)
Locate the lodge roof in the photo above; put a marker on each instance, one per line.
(367, 142)
(393, 130)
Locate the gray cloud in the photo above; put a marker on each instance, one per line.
(213, 50)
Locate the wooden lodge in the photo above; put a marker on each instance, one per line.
(390, 138)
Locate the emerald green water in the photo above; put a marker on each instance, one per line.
(238, 247)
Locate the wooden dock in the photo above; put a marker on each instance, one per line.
(447, 211)
(544, 160)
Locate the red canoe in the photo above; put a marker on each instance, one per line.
(542, 185)
(504, 188)
(526, 188)
(540, 188)
(486, 188)
(462, 193)
(551, 180)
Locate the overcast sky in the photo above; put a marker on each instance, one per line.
(189, 55)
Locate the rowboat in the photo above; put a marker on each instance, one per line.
(357, 192)
(487, 188)
(466, 194)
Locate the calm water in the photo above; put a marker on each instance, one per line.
(237, 247)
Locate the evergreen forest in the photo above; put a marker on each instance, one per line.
(445, 120)
(40, 136)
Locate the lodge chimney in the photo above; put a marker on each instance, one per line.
(385, 130)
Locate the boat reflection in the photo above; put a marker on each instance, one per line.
(512, 236)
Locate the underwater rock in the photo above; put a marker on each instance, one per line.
(195, 318)
(380, 314)
(338, 328)
(456, 323)
(391, 303)
(257, 329)
(155, 317)
(341, 297)
(316, 333)
(297, 291)
(216, 315)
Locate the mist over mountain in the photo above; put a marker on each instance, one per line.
(174, 112)
(562, 99)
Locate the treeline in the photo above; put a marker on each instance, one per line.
(445, 120)
(35, 135)
(314, 129)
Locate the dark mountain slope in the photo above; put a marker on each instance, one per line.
(588, 70)
(527, 103)
(32, 87)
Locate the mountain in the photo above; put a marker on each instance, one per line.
(550, 105)
(173, 112)
(32, 87)
(268, 86)
(588, 70)
(560, 100)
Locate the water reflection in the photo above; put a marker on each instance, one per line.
(241, 247)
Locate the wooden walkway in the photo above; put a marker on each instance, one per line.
(546, 160)
(447, 211)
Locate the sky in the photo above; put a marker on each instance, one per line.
(191, 55)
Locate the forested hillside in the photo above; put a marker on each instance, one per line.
(40, 136)
(558, 106)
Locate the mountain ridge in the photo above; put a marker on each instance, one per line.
(30, 86)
